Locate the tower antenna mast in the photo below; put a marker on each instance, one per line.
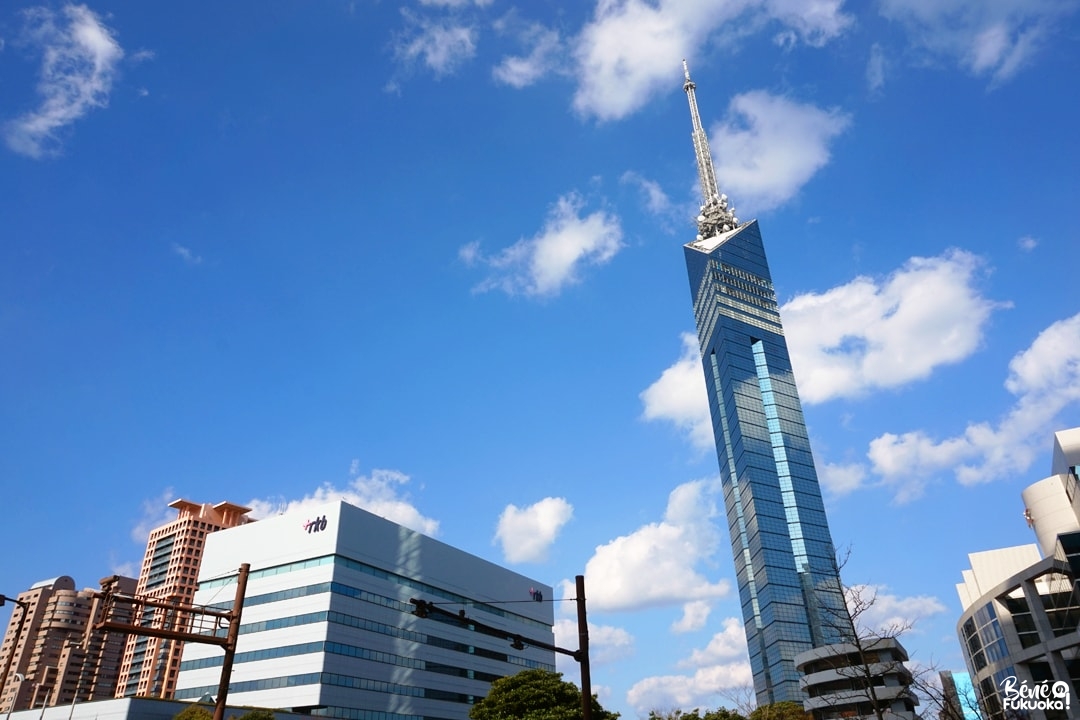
(716, 215)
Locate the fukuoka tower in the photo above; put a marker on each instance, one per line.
(785, 562)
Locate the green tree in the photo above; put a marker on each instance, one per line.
(787, 710)
(718, 714)
(535, 695)
(194, 712)
(258, 714)
(722, 714)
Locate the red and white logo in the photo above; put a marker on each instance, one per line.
(316, 525)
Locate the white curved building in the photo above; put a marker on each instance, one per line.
(1021, 606)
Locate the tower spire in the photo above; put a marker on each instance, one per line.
(716, 216)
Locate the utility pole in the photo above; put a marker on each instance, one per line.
(230, 641)
(582, 655)
(197, 624)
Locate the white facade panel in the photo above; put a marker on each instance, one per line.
(1066, 451)
(990, 567)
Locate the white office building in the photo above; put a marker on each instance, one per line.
(328, 628)
(1021, 622)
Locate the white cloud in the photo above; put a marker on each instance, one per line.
(875, 68)
(625, 53)
(1044, 378)
(871, 334)
(726, 645)
(814, 21)
(1050, 366)
(378, 493)
(607, 643)
(129, 569)
(680, 396)
(656, 200)
(769, 146)
(441, 44)
(1027, 243)
(695, 615)
(470, 254)
(455, 3)
(907, 461)
(705, 688)
(545, 52)
(79, 59)
(141, 56)
(841, 479)
(880, 612)
(658, 563)
(543, 265)
(994, 39)
(786, 39)
(186, 254)
(526, 533)
(155, 513)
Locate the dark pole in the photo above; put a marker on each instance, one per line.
(583, 650)
(230, 644)
(14, 642)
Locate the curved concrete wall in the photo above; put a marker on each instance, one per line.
(1049, 511)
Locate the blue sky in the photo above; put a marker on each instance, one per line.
(427, 257)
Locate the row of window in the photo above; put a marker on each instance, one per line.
(335, 648)
(767, 304)
(357, 714)
(336, 588)
(762, 294)
(706, 323)
(384, 629)
(748, 277)
(334, 679)
(420, 587)
(740, 311)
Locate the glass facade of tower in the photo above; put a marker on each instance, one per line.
(784, 557)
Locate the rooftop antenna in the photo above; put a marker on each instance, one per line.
(716, 216)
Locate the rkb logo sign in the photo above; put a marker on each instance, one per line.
(316, 525)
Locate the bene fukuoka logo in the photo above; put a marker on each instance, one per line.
(1040, 696)
(316, 525)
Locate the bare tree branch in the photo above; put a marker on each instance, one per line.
(868, 671)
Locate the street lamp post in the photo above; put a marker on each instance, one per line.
(23, 606)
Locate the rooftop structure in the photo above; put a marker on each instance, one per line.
(169, 572)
